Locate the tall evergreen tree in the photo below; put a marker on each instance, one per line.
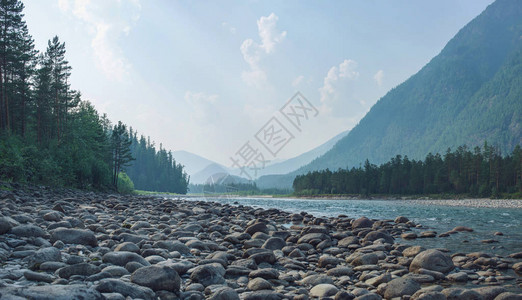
(121, 153)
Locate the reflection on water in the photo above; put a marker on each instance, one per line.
(484, 221)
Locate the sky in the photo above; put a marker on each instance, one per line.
(208, 76)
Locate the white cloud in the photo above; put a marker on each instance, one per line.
(63, 5)
(203, 105)
(252, 51)
(229, 27)
(106, 21)
(268, 32)
(379, 76)
(347, 69)
(336, 76)
(297, 81)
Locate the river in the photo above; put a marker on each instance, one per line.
(440, 218)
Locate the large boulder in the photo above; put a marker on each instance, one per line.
(83, 269)
(74, 236)
(126, 289)
(6, 223)
(365, 259)
(399, 287)
(432, 259)
(324, 290)
(224, 293)
(121, 258)
(257, 227)
(274, 243)
(51, 292)
(28, 230)
(43, 255)
(311, 237)
(208, 274)
(375, 235)
(157, 278)
(362, 222)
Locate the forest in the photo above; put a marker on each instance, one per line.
(478, 173)
(50, 135)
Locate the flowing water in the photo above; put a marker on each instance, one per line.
(484, 221)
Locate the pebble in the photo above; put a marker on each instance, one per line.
(71, 244)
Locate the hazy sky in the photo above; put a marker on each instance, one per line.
(206, 76)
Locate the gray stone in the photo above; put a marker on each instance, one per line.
(309, 237)
(362, 222)
(51, 292)
(126, 289)
(490, 292)
(263, 295)
(461, 294)
(375, 235)
(509, 296)
(324, 290)
(267, 273)
(116, 271)
(458, 277)
(74, 236)
(121, 258)
(257, 227)
(43, 255)
(401, 286)
(36, 276)
(259, 283)
(52, 216)
(340, 271)
(365, 259)
(128, 246)
(157, 278)
(412, 251)
(369, 296)
(28, 231)
(349, 240)
(6, 223)
(432, 259)
(173, 246)
(314, 280)
(83, 269)
(224, 293)
(274, 243)
(208, 274)
(328, 261)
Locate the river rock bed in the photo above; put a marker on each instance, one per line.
(78, 245)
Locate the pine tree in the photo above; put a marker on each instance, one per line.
(120, 143)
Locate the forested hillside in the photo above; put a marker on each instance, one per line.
(155, 170)
(478, 173)
(50, 135)
(468, 94)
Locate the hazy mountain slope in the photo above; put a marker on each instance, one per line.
(468, 93)
(193, 163)
(419, 115)
(294, 163)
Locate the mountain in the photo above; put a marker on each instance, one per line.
(470, 93)
(193, 163)
(294, 163)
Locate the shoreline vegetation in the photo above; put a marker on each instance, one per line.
(479, 173)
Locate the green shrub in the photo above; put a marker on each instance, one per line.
(125, 184)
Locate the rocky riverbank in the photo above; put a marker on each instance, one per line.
(77, 245)
(481, 202)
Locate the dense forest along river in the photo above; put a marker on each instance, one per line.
(484, 221)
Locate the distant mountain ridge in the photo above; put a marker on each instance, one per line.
(469, 93)
(294, 163)
(201, 169)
